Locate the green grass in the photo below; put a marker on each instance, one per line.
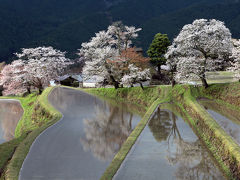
(126, 147)
(220, 144)
(38, 115)
(134, 95)
(25, 123)
(225, 151)
(7, 149)
(219, 77)
(227, 94)
(132, 107)
(149, 97)
(120, 156)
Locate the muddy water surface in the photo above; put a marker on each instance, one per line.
(10, 113)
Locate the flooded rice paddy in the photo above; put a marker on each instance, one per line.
(168, 149)
(10, 113)
(84, 142)
(227, 118)
(91, 132)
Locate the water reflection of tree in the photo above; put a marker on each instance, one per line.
(10, 113)
(191, 160)
(160, 128)
(62, 98)
(106, 131)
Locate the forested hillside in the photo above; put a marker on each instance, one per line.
(65, 24)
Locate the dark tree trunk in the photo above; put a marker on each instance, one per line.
(159, 69)
(141, 85)
(29, 90)
(115, 83)
(40, 90)
(173, 70)
(204, 82)
(1, 90)
(173, 82)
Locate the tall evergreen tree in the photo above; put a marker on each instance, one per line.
(157, 50)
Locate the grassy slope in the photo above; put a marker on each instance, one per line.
(150, 98)
(216, 139)
(7, 149)
(41, 115)
(223, 148)
(38, 115)
(221, 145)
(135, 95)
(28, 105)
(227, 94)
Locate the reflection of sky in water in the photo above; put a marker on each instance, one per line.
(10, 113)
(168, 149)
(104, 126)
(83, 143)
(230, 125)
(1, 133)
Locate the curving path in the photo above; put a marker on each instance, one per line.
(11, 112)
(83, 143)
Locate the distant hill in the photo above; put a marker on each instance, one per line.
(65, 24)
(172, 23)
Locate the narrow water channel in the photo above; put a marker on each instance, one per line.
(10, 113)
(227, 118)
(168, 149)
(83, 143)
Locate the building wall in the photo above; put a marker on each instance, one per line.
(89, 85)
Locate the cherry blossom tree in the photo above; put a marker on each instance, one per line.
(123, 64)
(122, 35)
(42, 64)
(136, 75)
(12, 80)
(105, 46)
(99, 68)
(235, 65)
(200, 47)
(172, 60)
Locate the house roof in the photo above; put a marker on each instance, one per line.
(76, 77)
(93, 79)
(61, 78)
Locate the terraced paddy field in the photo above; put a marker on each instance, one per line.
(168, 149)
(227, 118)
(165, 134)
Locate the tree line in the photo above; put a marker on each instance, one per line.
(110, 58)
